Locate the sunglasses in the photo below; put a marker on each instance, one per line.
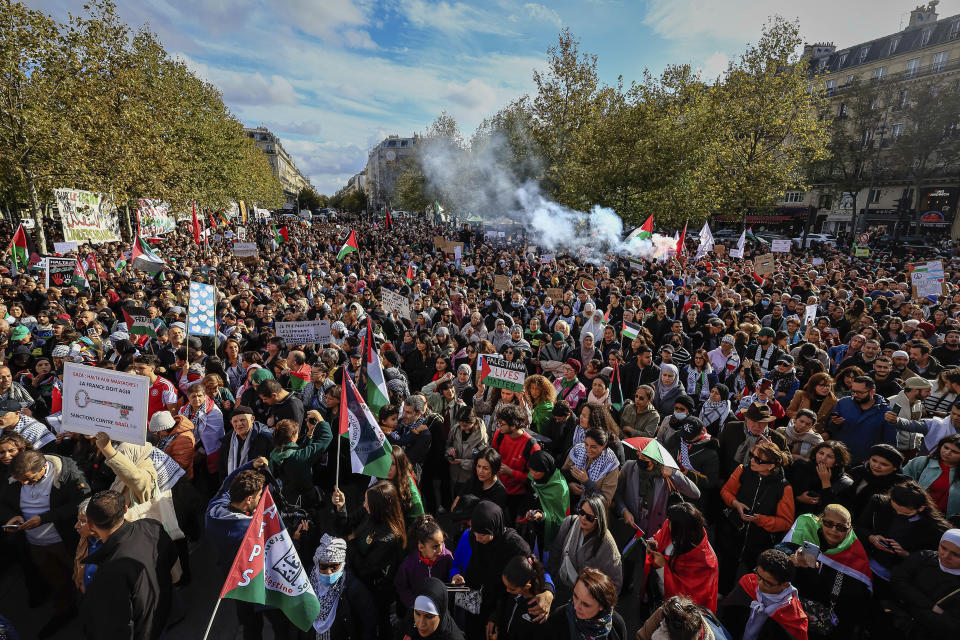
(842, 528)
(328, 566)
(759, 460)
(584, 514)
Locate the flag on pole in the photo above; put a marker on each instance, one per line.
(750, 236)
(268, 571)
(21, 249)
(683, 236)
(201, 317)
(222, 218)
(122, 263)
(741, 243)
(706, 241)
(280, 236)
(89, 263)
(388, 220)
(377, 395)
(439, 208)
(195, 225)
(79, 275)
(144, 259)
(138, 322)
(643, 232)
(369, 448)
(629, 330)
(410, 273)
(349, 246)
(213, 222)
(243, 212)
(616, 390)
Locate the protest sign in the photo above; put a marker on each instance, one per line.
(469, 269)
(556, 293)
(765, 264)
(817, 261)
(87, 217)
(241, 233)
(154, 218)
(638, 266)
(65, 247)
(97, 400)
(439, 242)
(395, 302)
(502, 283)
(304, 332)
(861, 252)
(780, 246)
(928, 279)
(201, 314)
(59, 271)
(734, 253)
(546, 258)
(587, 284)
(245, 249)
(498, 372)
(809, 314)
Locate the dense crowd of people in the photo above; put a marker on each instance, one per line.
(693, 455)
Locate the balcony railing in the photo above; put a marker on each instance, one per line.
(909, 74)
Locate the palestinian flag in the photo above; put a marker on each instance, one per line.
(369, 448)
(281, 235)
(750, 236)
(89, 264)
(683, 236)
(410, 273)
(848, 557)
(629, 330)
(268, 570)
(644, 232)
(79, 275)
(21, 250)
(616, 389)
(120, 266)
(377, 395)
(349, 246)
(388, 221)
(144, 259)
(138, 322)
(439, 208)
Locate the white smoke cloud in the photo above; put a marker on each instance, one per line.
(490, 181)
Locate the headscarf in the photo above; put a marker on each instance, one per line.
(462, 387)
(432, 598)
(604, 464)
(662, 390)
(587, 354)
(331, 550)
(953, 537)
(716, 412)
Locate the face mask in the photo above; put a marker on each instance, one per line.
(765, 303)
(331, 578)
(680, 415)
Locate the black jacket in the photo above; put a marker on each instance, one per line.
(261, 445)
(919, 583)
(129, 597)
(632, 376)
(879, 518)
(557, 626)
(69, 489)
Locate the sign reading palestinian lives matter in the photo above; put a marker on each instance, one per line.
(59, 271)
(395, 302)
(764, 264)
(245, 249)
(154, 218)
(503, 374)
(502, 283)
(304, 332)
(97, 400)
(780, 246)
(87, 217)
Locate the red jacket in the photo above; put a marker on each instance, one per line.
(515, 453)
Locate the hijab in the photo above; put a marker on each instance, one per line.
(486, 560)
(664, 390)
(586, 355)
(952, 536)
(432, 598)
(462, 387)
(716, 412)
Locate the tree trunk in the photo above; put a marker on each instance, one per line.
(39, 232)
(128, 231)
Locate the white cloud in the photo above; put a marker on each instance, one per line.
(245, 88)
(543, 13)
(476, 95)
(714, 66)
(450, 18)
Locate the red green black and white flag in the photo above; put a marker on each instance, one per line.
(349, 246)
(369, 448)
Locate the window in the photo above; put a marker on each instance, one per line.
(939, 61)
(874, 196)
(826, 201)
(902, 99)
(894, 43)
(875, 104)
(879, 72)
(863, 54)
(830, 86)
(850, 79)
(793, 196)
(896, 130)
(906, 198)
(912, 67)
(868, 138)
(842, 111)
(925, 37)
(954, 29)
(843, 60)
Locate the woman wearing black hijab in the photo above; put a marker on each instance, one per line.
(479, 559)
(429, 617)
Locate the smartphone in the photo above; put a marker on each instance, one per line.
(457, 588)
(810, 553)
(884, 544)
(748, 511)
(11, 527)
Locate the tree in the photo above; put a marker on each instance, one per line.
(767, 126)
(309, 199)
(854, 159)
(929, 146)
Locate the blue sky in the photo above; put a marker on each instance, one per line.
(333, 77)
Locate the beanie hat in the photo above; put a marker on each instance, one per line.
(686, 401)
(889, 453)
(574, 364)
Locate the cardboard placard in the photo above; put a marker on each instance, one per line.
(114, 402)
(780, 246)
(502, 283)
(439, 242)
(245, 249)
(395, 302)
(65, 247)
(498, 372)
(587, 284)
(765, 264)
(928, 279)
(304, 332)
(556, 293)
(547, 258)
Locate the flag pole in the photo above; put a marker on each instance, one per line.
(187, 338)
(212, 616)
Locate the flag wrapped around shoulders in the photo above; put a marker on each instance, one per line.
(369, 448)
(849, 557)
(268, 571)
(695, 574)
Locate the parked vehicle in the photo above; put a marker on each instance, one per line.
(820, 238)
